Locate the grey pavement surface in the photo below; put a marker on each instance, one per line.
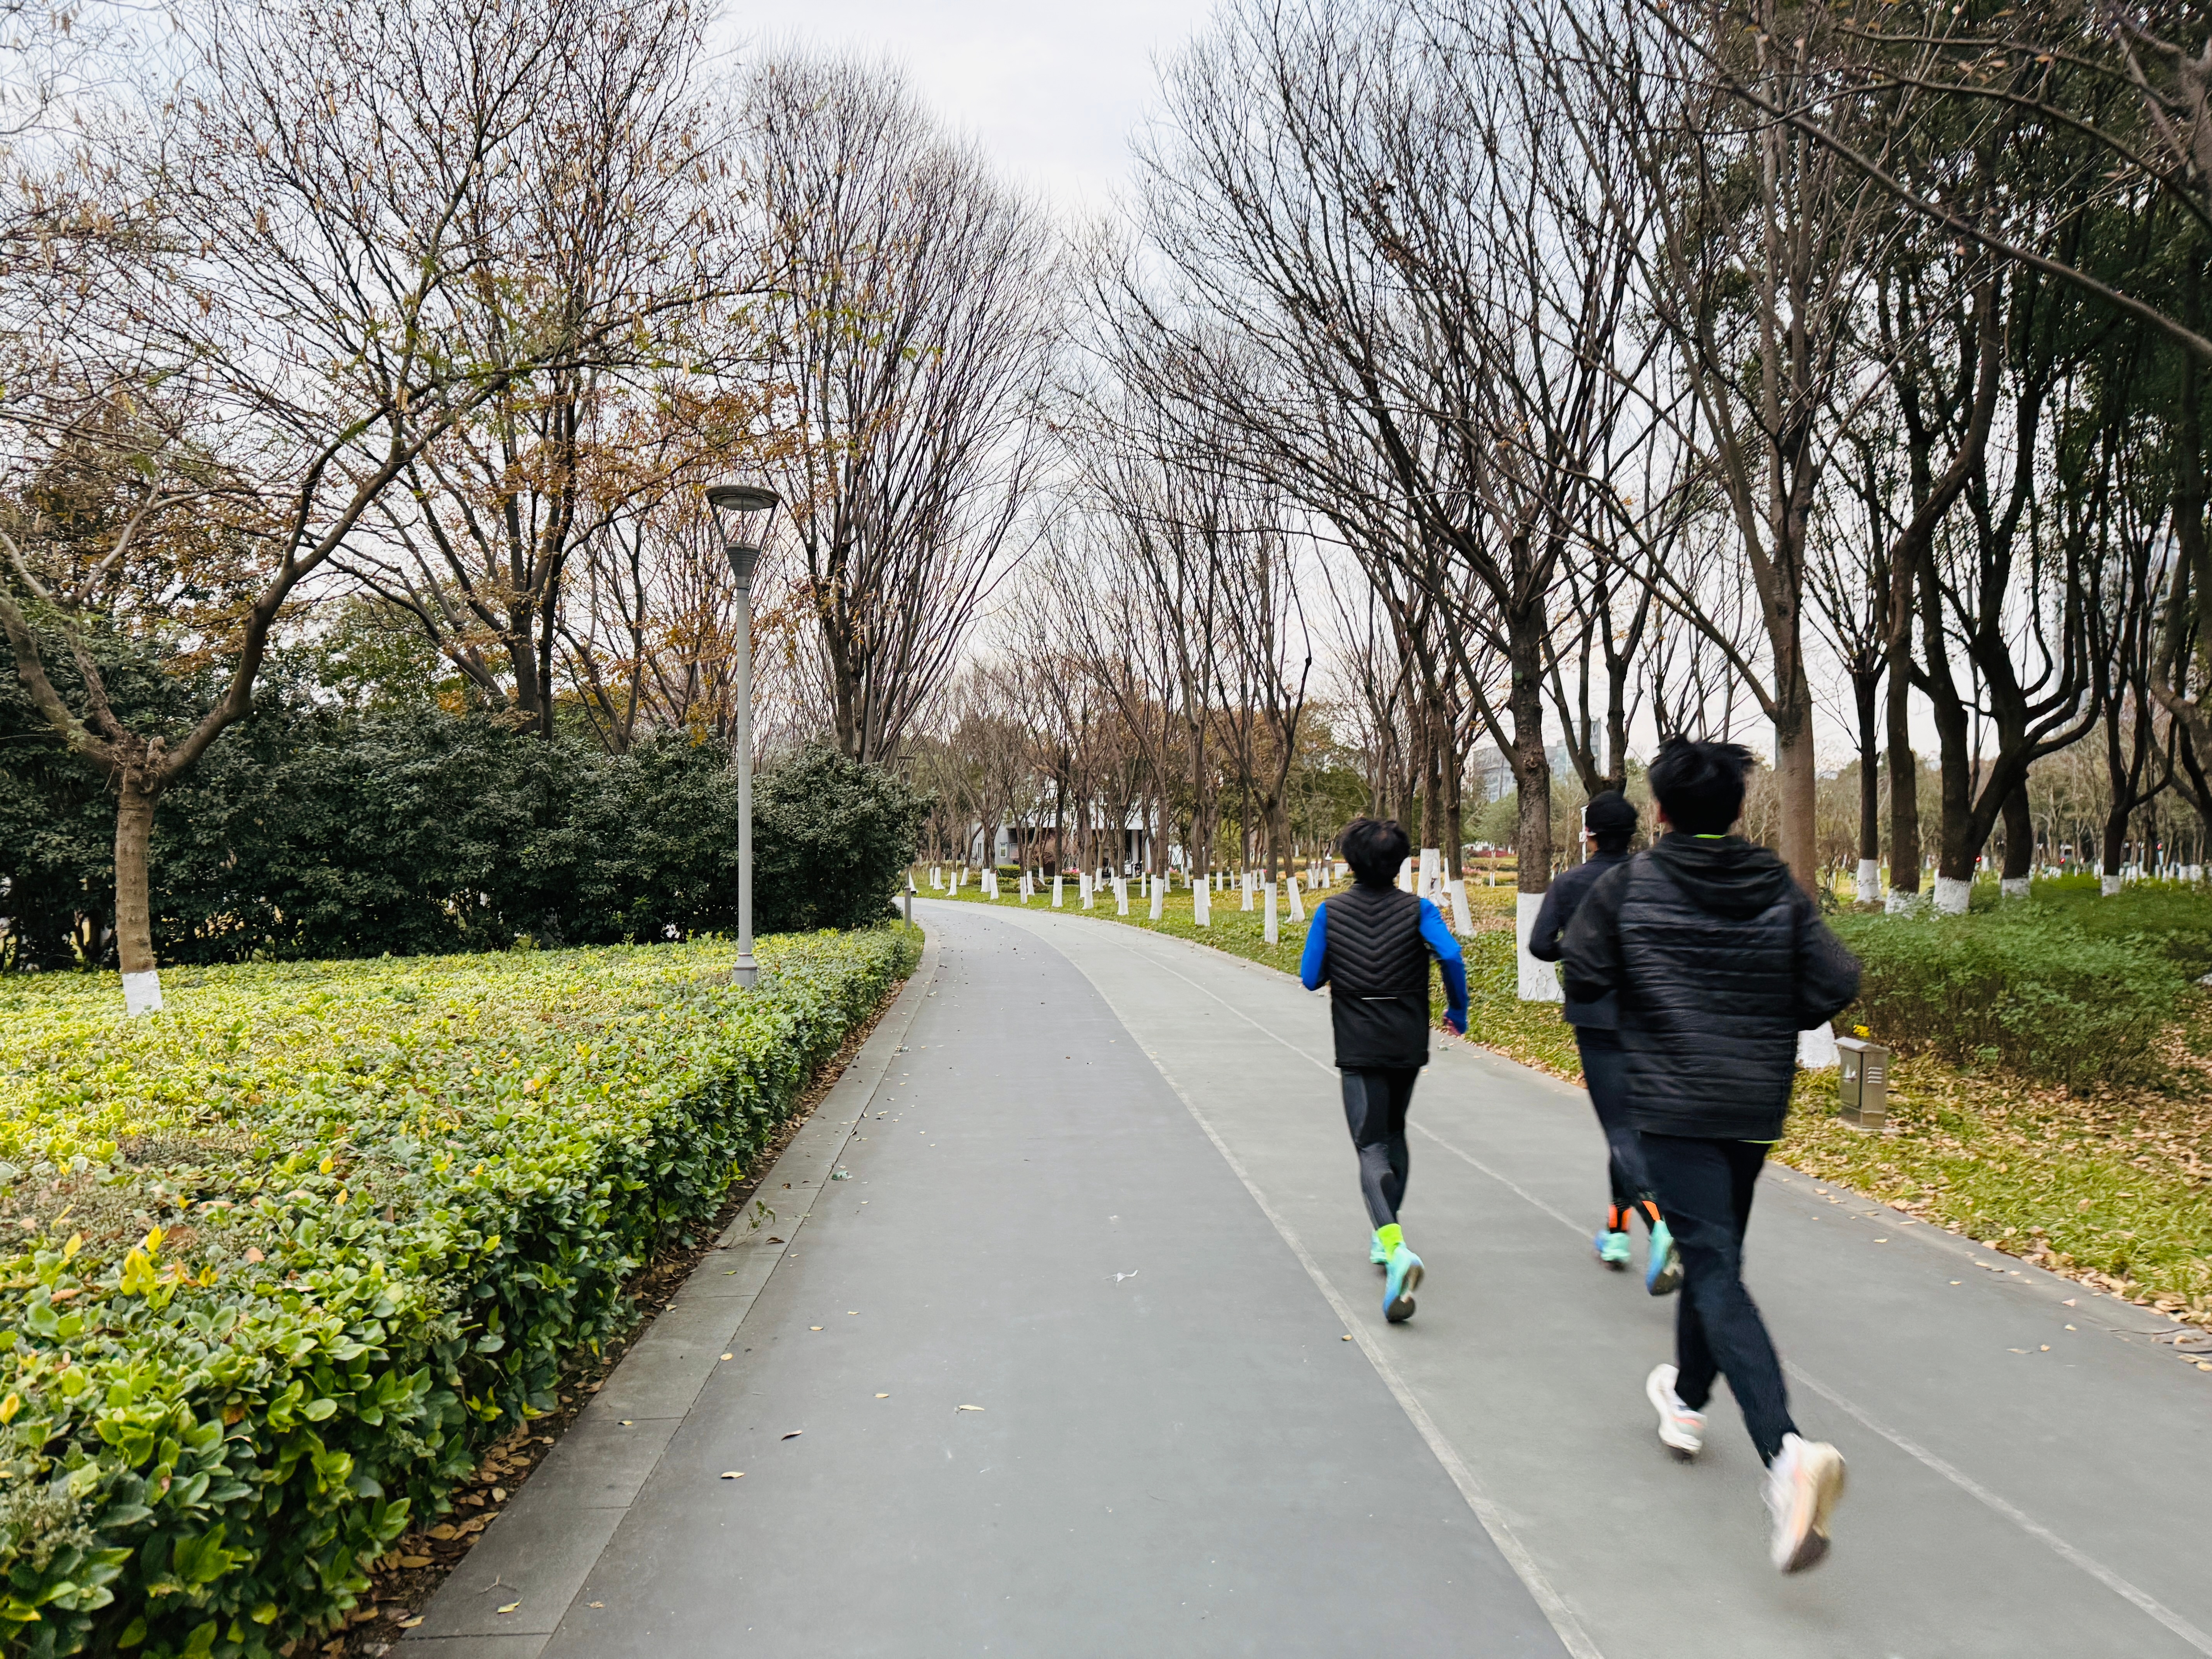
(1101, 1189)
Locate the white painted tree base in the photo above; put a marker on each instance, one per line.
(1159, 896)
(2014, 887)
(1055, 893)
(1816, 1048)
(1539, 981)
(141, 993)
(1297, 901)
(1201, 912)
(1870, 882)
(1272, 928)
(1462, 923)
(1903, 904)
(1951, 894)
(2111, 886)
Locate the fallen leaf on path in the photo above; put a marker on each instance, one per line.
(1347, 1337)
(409, 1623)
(444, 1532)
(510, 1607)
(733, 1474)
(794, 1434)
(813, 1328)
(595, 1604)
(968, 1408)
(883, 1396)
(728, 1356)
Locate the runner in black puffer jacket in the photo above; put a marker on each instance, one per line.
(1719, 959)
(1716, 959)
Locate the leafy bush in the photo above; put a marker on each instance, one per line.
(313, 832)
(832, 839)
(2027, 986)
(301, 1242)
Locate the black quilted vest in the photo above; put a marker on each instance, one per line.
(1377, 968)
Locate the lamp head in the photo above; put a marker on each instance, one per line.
(742, 513)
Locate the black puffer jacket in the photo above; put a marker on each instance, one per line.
(1561, 900)
(1718, 960)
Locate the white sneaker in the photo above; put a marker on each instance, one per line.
(1679, 1428)
(1802, 1486)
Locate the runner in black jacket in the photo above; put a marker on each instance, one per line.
(1717, 959)
(1370, 946)
(1610, 821)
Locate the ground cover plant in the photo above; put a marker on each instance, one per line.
(276, 1263)
(2103, 1172)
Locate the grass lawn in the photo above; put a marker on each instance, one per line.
(2113, 1187)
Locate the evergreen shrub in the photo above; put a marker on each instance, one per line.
(309, 832)
(832, 839)
(302, 1242)
(2027, 986)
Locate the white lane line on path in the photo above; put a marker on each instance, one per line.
(1548, 1600)
(1554, 1606)
(2141, 1599)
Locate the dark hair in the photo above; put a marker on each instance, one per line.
(1375, 849)
(1700, 785)
(1611, 820)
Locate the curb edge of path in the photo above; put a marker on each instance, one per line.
(537, 1556)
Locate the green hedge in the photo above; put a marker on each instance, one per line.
(302, 1242)
(2030, 986)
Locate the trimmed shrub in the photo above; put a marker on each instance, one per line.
(2026, 986)
(832, 839)
(304, 1239)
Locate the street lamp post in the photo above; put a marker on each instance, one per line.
(742, 513)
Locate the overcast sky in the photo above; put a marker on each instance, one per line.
(1052, 90)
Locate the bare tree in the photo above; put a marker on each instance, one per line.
(623, 192)
(329, 204)
(910, 343)
(1761, 248)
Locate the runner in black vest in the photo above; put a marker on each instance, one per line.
(1371, 944)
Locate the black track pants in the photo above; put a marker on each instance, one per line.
(1704, 1188)
(1374, 1105)
(1604, 1073)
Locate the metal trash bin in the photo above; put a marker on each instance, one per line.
(1863, 1083)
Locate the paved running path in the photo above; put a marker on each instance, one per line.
(1104, 1193)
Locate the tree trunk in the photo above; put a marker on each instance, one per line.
(1955, 853)
(1796, 780)
(1432, 776)
(1532, 771)
(1865, 689)
(1904, 782)
(134, 909)
(2019, 844)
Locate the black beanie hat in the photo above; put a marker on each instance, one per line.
(1609, 814)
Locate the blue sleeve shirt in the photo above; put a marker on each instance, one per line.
(1434, 933)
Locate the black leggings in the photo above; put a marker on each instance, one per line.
(1374, 1105)
(1604, 1073)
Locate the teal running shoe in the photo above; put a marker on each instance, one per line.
(1404, 1269)
(1377, 1254)
(1612, 1249)
(1662, 1267)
